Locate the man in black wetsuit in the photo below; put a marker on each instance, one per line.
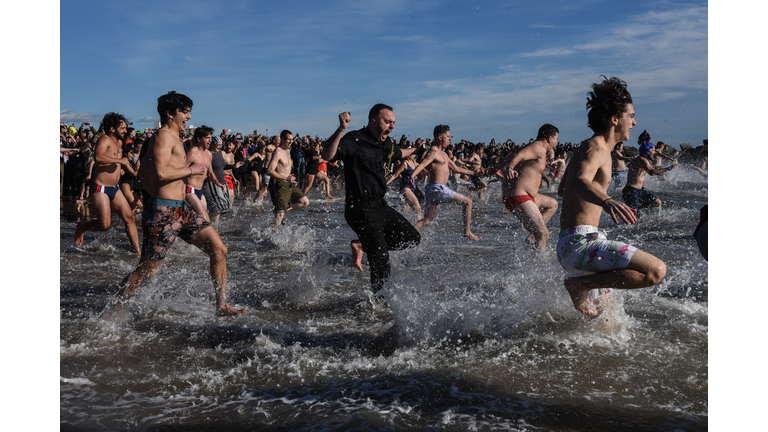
(379, 227)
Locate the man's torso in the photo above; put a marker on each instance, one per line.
(107, 174)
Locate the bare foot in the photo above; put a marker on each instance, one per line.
(330, 197)
(582, 302)
(227, 310)
(357, 253)
(531, 239)
(471, 236)
(79, 234)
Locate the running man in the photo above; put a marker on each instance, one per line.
(438, 165)
(593, 262)
(475, 162)
(520, 183)
(282, 183)
(618, 167)
(199, 153)
(105, 193)
(633, 193)
(166, 214)
(379, 227)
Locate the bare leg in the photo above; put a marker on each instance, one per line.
(428, 216)
(256, 183)
(322, 176)
(123, 209)
(140, 275)
(279, 218)
(101, 207)
(357, 253)
(467, 203)
(411, 199)
(644, 270)
(209, 241)
(531, 217)
(200, 206)
(310, 180)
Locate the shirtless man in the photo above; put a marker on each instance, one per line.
(282, 184)
(592, 262)
(520, 183)
(618, 167)
(228, 153)
(474, 163)
(438, 164)
(557, 165)
(105, 193)
(200, 154)
(166, 213)
(657, 159)
(633, 193)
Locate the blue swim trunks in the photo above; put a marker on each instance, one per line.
(111, 191)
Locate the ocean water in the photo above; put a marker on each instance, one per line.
(488, 337)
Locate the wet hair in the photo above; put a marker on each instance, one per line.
(608, 98)
(172, 102)
(111, 120)
(618, 144)
(440, 129)
(546, 131)
(644, 137)
(284, 134)
(377, 109)
(202, 132)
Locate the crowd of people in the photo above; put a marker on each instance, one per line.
(182, 180)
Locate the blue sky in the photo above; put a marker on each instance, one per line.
(488, 69)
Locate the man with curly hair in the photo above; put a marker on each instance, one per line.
(595, 264)
(105, 194)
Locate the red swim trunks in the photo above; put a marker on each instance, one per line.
(230, 185)
(513, 202)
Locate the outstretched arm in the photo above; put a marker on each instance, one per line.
(332, 144)
(400, 169)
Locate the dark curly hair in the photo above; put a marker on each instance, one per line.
(172, 102)
(202, 132)
(608, 98)
(111, 120)
(440, 129)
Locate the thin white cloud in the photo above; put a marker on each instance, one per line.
(549, 52)
(69, 116)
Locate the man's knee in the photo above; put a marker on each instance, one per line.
(104, 223)
(218, 251)
(129, 218)
(656, 272)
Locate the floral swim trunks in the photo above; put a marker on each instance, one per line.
(162, 221)
(582, 250)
